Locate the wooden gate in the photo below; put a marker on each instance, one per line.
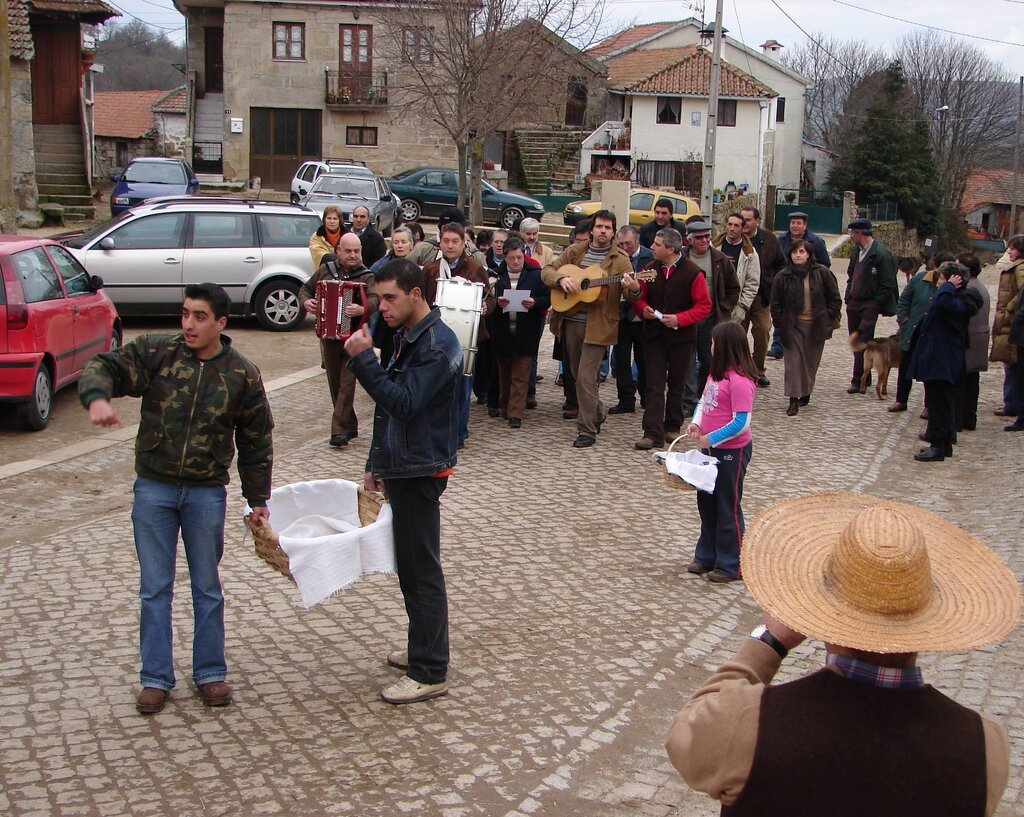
(56, 74)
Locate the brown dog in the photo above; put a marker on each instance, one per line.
(880, 354)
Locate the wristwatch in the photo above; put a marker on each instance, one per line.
(760, 632)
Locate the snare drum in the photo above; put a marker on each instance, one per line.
(461, 303)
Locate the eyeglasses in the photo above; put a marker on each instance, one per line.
(701, 237)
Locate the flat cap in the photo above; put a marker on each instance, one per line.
(860, 224)
(698, 227)
(798, 214)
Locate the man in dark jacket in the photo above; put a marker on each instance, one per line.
(663, 217)
(371, 241)
(938, 356)
(346, 266)
(772, 260)
(200, 401)
(871, 290)
(630, 343)
(411, 458)
(724, 288)
(798, 230)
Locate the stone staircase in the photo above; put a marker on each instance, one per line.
(60, 170)
(548, 153)
(209, 127)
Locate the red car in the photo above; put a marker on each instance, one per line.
(54, 317)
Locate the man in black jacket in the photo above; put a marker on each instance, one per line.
(663, 217)
(371, 241)
(871, 290)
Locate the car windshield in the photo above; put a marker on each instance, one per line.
(153, 173)
(345, 186)
(79, 241)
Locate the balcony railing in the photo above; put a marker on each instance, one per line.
(364, 92)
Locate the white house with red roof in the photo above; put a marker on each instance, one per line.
(659, 80)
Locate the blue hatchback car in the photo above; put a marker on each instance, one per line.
(146, 178)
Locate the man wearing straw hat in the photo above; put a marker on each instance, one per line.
(878, 582)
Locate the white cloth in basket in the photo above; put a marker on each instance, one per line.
(317, 524)
(693, 466)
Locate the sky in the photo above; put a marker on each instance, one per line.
(754, 21)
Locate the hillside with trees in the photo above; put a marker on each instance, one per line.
(136, 57)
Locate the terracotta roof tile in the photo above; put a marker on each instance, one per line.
(18, 30)
(125, 114)
(628, 37)
(990, 186)
(92, 11)
(680, 71)
(172, 102)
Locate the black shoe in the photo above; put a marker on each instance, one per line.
(481, 400)
(794, 406)
(583, 441)
(540, 377)
(774, 355)
(853, 390)
(493, 412)
(623, 408)
(514, 422)
(1017, 425)
(531, 402)
(932, 454)
(805, 400)
(340, 440)
(763, 381)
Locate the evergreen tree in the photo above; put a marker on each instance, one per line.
(890, 157)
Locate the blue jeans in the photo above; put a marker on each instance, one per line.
(1011, 390)
(721, 517)
(160, 510)
(776, 347)
(463, 397)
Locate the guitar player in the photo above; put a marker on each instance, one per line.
(587, 329)
(671, 307)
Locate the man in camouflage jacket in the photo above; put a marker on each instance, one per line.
(200, 399)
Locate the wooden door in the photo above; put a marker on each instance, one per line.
(214, 60)
(355, 60)
(56, 74)
(576, 102)
(281, 139)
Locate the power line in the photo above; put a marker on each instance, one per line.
(925, 25)
(853, 71)
(151, 25)
(105, 52)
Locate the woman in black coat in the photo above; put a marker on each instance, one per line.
(515, 336)
(938, 356)
(805, 311)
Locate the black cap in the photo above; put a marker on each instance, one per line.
(862, 224)
(798, 214)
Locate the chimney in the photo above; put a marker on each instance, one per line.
(772, 49)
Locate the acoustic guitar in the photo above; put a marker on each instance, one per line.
(589, 284)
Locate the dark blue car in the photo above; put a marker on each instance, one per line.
(150, 177)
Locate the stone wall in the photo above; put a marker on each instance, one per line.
(170, 138)
(106, 154)
(23, 160)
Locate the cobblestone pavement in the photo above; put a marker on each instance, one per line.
(576, 633)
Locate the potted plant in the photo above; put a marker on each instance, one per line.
(345, 93)
(790, 197)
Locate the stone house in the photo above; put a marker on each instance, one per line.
(51, 104)
(273, 85)
(137, 123)
(658, 89)
(988, 201)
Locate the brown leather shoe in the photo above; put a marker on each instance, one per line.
(1002, 412)
(215, 693)
(897, 406)
(151, 700)
(646, 444)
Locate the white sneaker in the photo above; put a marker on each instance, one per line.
(399, 659)
(408, 691)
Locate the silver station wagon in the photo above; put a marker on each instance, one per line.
(257, 250)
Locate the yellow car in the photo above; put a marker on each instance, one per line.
(641, 207)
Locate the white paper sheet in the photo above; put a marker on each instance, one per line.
(515, 299)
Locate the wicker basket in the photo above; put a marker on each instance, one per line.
(671, 480)
(268, 545)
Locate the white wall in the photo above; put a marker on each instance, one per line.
(736, 147)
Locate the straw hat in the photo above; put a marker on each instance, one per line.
(876, 575)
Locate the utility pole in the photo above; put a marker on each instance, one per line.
(8, 221)
(708, 178)
(1016, 160)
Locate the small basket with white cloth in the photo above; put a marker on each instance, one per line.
(326, 534)
(692, 469)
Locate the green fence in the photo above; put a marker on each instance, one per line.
(824, 208)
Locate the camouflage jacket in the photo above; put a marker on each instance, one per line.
(194, 412)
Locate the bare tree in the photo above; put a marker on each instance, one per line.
(835, 67)
(968, 101)
(480, 65)
(136, 57)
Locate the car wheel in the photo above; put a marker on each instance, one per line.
(116, 339)
(410, 210)
(295, 198)
(277, 306)
(37, 410)
(510, 215)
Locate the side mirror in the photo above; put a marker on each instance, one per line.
(487, 192)
(107, 243)
(96, 283)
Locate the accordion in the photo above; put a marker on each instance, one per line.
(332, 297)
